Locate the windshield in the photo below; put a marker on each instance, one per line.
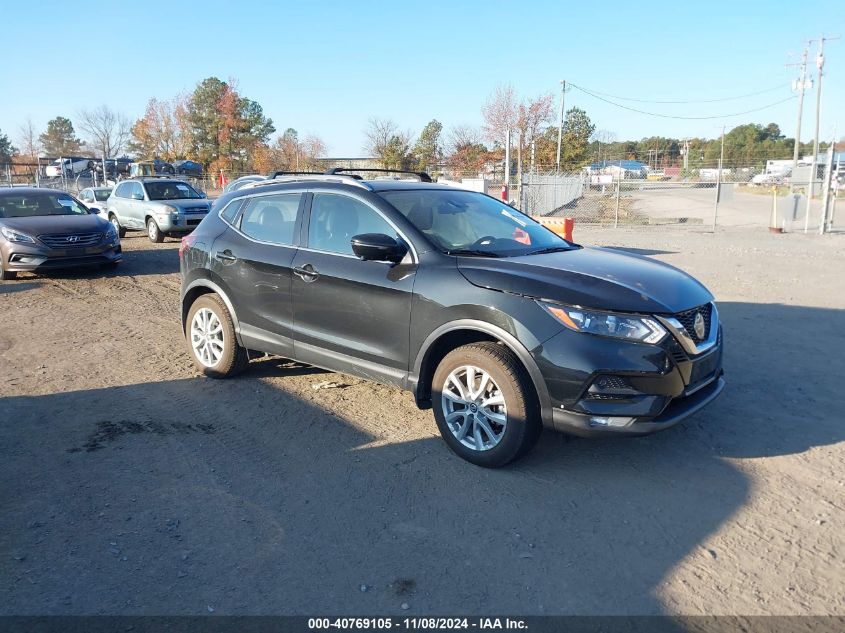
(34, 204)
(101, 195)
(170, 190)
(469, 223)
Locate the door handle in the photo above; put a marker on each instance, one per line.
(306, 273)
(225, 256)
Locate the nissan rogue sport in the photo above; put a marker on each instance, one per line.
(493, 321)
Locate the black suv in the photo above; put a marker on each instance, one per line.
(489, 318)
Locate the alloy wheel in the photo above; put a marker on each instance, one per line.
(474, 408)
(207, 337)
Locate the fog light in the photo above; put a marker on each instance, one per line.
(610, 421)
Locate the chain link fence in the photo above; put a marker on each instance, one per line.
(597, 199)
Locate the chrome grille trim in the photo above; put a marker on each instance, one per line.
(71, 240)
(683, 337)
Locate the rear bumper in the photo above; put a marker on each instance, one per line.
(678, 409)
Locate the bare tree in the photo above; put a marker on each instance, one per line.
(500, 113)
(388, 143)
(28, 138)
(108, 131)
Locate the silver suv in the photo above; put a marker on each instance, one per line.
(159, 206)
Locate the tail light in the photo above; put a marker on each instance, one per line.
(187, 242)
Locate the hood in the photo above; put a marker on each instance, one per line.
(45, 224)
(193, 204)
(599, 278)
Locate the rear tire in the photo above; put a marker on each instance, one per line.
(210, 335)
(490, 415)
(153, 232)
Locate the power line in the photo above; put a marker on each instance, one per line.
(745, 96)
(686, 118)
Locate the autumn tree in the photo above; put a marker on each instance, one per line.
(7, 150)
(525, 118)
(60, 138)
(500, 114)
(290, 153)
(161, 132)
(387, 143)
(466, 153)
(106, 130)
(223, 126)
(427, 150)
(28, 138)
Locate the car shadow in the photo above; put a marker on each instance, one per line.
(181, 496)
(22, 286)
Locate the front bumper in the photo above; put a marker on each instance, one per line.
(182, 223)
(28, 258)
(651, 387)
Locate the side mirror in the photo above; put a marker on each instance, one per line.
(378, 247)
(93, 210)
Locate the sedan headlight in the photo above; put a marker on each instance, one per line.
(625, 326)
(14, 236)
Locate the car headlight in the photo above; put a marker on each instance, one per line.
(14, 236)
(111, 233)
(625, 326)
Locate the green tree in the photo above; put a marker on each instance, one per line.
(427, 150)
(6, 149)
(60, 138)
(577, 130)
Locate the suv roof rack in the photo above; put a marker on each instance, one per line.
(276, 174)
(309, 177)
(424, 177)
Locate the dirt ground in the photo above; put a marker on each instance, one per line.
(130, 485)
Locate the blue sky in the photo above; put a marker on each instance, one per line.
(328, 67)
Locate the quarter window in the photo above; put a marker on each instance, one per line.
(231, 210)
(271, 218)
(335, 220)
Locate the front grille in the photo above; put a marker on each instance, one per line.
(605, 396)
(195, 209)
(71, 240)
(687, 319)
(612, 382)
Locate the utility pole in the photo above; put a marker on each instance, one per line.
(820, 66)
(560, 122)
(800, 86)
(719, 180)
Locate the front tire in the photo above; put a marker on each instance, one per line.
(153, 232)
(121, 232)
(7, 275)
(210, 334)
(485, 404)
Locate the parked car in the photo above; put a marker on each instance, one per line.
(114, 166)
(94, 198)
(42, 229)
(187, 168)
(492, 320)
(72, 166)
(242, 182)
(771, 179)
(159, 206)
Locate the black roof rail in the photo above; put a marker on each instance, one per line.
(424, 177)
(276, 174)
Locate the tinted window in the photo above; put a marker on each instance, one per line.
(33, 204)
(169, 190)
(335, 220)
(102, 194)
(271, 218)
(231, 210)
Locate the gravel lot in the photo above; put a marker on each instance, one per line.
(129, 485)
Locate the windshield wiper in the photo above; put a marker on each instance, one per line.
(551, 249)
(473, 252)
